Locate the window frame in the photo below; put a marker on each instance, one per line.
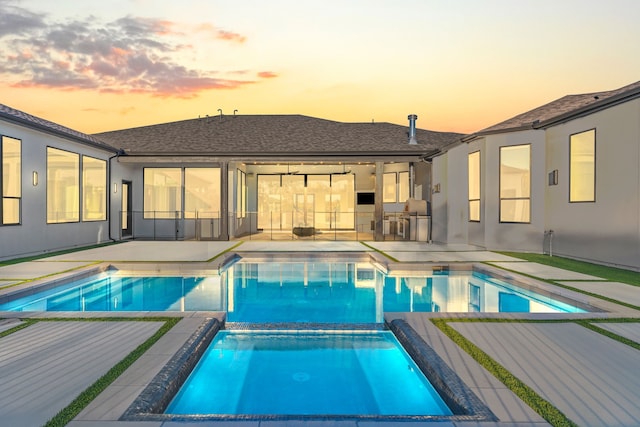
(500, 182)
(83, 194)
(78, 173)
(20, 182)
(479, 185)
(395, 187)
(595, 157)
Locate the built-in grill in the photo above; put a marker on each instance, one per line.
(416, 218)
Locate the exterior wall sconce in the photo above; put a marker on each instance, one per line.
(553, 177)
(115, 187)
(436, 188)
(34, 177)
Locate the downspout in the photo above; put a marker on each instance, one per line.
(118, 154)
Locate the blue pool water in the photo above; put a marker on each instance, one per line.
(111, 292)
(297, 291)
(311, 373)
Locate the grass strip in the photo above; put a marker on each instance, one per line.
(589, 325)
(545, 409)
(225, 251)
(25, 323)
(610, 273)
(562, 285)
(380, 252)
(56, 253)
(67, 414)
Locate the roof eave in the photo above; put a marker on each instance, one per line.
(50, 131)
(590, 109)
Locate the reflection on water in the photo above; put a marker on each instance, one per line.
(301, 291)
(358, 292)
(106, 292)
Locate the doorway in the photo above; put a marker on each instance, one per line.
(127, 220)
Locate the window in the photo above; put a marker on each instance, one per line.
(241, 196)
(474, 186)
(11, 156)
(515, 183)
(94, 189)
(63, 186)
(582, 167)
(162, 193)
(201, 192)
(403, 186)
(389, 188)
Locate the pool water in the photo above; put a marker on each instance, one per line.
(310, 291)
(307, 373)
(348, 292)
(110, 292)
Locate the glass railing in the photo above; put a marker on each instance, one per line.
(273, 225)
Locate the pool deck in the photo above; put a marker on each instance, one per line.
(590, 377)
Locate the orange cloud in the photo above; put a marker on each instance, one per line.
(267, 74)
(230, 36)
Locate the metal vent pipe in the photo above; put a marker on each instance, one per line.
(412, 129)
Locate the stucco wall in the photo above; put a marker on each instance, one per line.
(476, 230)
(509, 236)
(607, 230)
(34, 235)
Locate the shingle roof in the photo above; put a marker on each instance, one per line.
(273, 135)
(38, 123)
(566, 106)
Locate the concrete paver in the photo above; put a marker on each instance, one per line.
(436, 256)
(590, 378)
(301, 246)
(616, 290)
(142, 251)
(47, 365)
(630, 331)
(35, 269)
(544, 271)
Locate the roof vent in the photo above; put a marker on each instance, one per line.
(412, 129)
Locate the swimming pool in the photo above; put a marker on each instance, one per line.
(307, 373)
(305, 290)
(111, 291)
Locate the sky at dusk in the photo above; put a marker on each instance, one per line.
(460, 65)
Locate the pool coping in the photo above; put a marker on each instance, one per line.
(156, 396)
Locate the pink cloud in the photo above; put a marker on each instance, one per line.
(267, 74)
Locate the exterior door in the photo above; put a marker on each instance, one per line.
(127, 220)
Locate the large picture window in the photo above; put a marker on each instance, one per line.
(94, 189)
(63, 186)
(474, 186)
(11, 156)
(515, 183)
(582, 167)
(202, 192)
(162, 193)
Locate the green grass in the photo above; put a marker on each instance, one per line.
(545, 409)
(50, 254)
(25, 323)
(380, 252)
(67, 414)
(609, 273)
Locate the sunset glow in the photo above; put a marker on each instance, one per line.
(460, 66)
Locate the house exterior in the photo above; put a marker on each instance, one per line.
(207, 178)
(563, 178)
